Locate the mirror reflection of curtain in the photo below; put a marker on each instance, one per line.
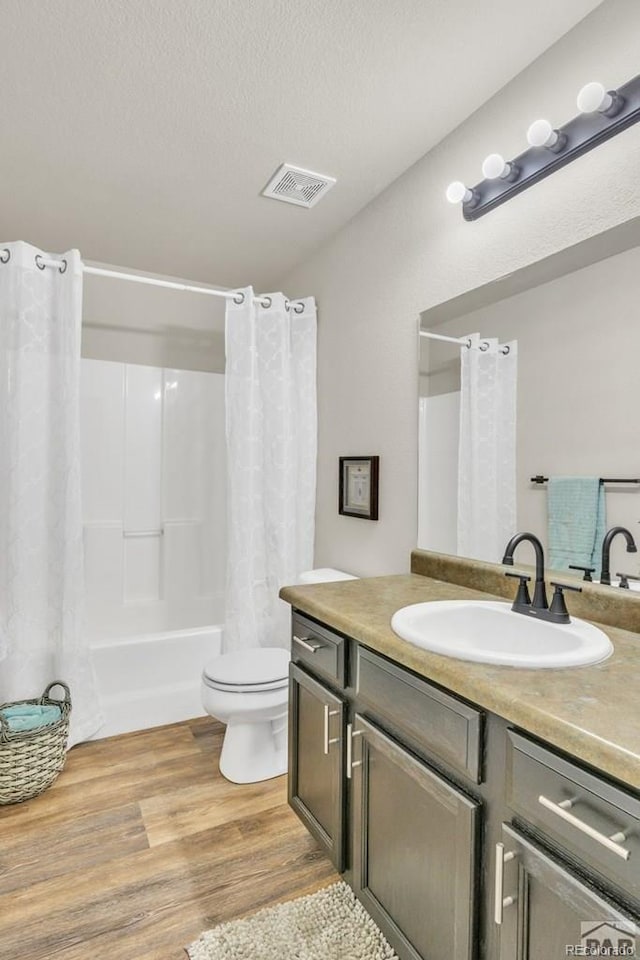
(270, 384)
(487, 449)
(42, 635)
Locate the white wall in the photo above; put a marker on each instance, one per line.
(438, 438)
(153, 487)
(136, 323)
(410, 250)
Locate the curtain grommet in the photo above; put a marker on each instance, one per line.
(298, 307)
(63, 268)
(3, 258)
(39, 265)
(484, 346)
(238, 298)
(266, 302)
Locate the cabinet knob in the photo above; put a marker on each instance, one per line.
(562, 809)
(307, 644)
(351, 763)
(500, 901)
(326, 741)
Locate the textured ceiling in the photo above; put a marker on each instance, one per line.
(142, 131)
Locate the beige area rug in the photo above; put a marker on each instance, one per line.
(328, 925)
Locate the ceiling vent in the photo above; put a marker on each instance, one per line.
(295, 185)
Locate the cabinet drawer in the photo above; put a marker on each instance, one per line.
(319, 648)
(420, 713)
(593, 822)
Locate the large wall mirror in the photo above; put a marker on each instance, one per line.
(576, 320)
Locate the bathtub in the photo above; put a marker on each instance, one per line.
(152, 679)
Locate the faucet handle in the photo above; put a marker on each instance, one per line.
(586, 570)
(565, 586)
(558, 609)
(624, 579)
(522, 596)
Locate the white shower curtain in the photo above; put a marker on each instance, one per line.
(271, 458)
(487, 450)
(41, 558)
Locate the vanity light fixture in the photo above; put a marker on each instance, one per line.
(603, 114)
(593, 98)
(457, 192)
(542, 134)
(495, 167)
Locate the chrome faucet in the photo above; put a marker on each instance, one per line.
(605, 575)
(539, 606)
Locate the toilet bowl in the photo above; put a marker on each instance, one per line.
(248, 690)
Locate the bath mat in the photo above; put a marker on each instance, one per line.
(328, 925)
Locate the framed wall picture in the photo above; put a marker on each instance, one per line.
(358, 485)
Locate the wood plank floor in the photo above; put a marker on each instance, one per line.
(140, 845)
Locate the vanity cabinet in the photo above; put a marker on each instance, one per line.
(544, 909)
(594, 823)
(576, 866)
(463, 838)
(316, 760)
(414, 847)
(359, 780)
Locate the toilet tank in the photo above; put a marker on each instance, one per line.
(324, 575)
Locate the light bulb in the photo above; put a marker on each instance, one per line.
(495, 166)
(458, 193)
(542, 134)
(593, 97)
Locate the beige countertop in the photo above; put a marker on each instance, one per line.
(592, 713)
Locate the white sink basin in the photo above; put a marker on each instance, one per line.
(490, 632)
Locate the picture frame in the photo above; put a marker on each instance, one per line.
(358, 487)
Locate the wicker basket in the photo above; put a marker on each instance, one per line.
(30, 760)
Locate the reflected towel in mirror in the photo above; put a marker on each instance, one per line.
(576, 513)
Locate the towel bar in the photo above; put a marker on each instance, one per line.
(540, 479)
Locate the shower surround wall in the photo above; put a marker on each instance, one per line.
(153, 448)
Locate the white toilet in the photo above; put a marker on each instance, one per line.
(249, 692)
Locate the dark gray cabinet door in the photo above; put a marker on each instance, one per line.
(542, 906)
(316, 760)
(414, 849)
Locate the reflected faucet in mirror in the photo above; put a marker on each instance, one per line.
(605, 575)
(624, 580)
(539, 606)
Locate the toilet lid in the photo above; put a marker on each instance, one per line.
(260, 668)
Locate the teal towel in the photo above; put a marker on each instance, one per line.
(30, 716)
(576, 522)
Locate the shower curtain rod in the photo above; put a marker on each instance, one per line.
(464, 341)
(236, 295)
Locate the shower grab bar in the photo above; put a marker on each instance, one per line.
(143, 533)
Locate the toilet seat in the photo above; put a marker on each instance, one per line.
(248, 671)
(248, 692)
(244, 687)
